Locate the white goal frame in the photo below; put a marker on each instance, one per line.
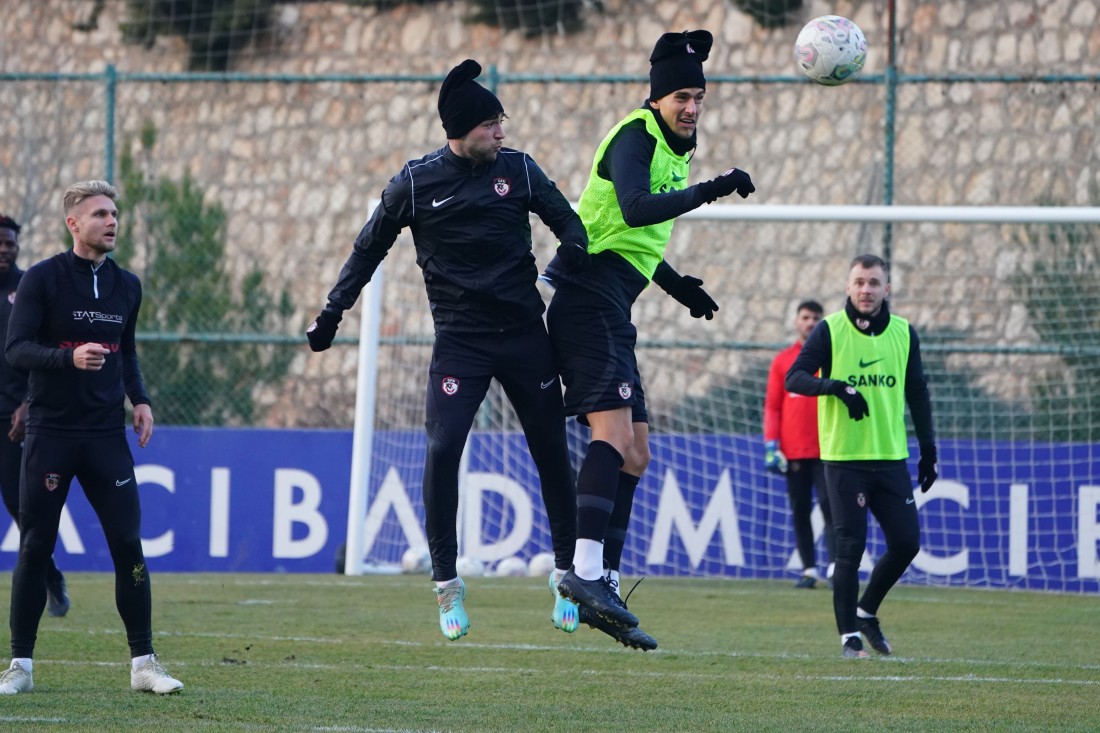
(363, 437)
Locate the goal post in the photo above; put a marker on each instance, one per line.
(899, 214)
(362, 443)
(1000, 296)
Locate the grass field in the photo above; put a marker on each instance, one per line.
(329, 653)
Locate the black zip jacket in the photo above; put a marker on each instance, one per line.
(472, 233)
(62, 303)
(13, 382)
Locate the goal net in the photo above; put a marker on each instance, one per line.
(1008, 318)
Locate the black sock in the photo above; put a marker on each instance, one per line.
(597, 485)
(620, 520)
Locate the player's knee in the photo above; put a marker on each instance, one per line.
(37, 543)
(126, 550)
(906, 548)
(636, 459)
(849, 547)
(441, 450)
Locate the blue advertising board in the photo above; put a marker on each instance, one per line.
(250, 500)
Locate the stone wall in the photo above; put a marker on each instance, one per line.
(295, 164)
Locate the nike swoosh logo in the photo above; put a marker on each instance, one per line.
(864, 364)
(122, 483)
(676, 178)
(910, 500)
(440, 203)
(544, 385)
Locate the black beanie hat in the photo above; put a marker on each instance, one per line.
(677, 62)
(463, 103)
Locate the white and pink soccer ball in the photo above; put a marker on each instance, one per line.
(831, 50)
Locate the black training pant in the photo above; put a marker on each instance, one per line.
(11, 462)
(888, 494)
(11, 456)
(463, 365)
(105, 469)
(802, 476)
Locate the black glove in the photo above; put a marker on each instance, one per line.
(323, 330)
(852, 399)
(732, 180)
(573, 257)
(688, 291)
(926, 468)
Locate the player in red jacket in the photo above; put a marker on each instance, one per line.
(790, 441)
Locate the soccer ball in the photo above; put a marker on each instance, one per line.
(512, 567)
(830, 50)
(416, 560)
(541, 565)
(469, 567)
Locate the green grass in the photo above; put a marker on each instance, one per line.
(329, 653)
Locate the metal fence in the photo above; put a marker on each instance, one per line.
(246, 190)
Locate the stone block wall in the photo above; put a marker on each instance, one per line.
(296, 164)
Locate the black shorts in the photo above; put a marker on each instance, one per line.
(594, 340)
(463, 365)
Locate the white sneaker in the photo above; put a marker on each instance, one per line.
(151, 677)
(15, 680)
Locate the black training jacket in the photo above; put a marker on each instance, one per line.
(62, 303)
(13, 382)
(472, 233)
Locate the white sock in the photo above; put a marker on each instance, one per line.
(558, 575)
(860, 613)
(25, 662)
(810, 573)
(136, 662)
(613, 576)
(588, 559)
(441, 583)
(846, 637)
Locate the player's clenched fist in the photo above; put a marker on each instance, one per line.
(90, 357)
(323, 330)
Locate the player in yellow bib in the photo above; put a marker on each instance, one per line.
(637, 187)
(870, 363)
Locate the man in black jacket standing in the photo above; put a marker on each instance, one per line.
(72, 328)
(13, 408)
(467, 205)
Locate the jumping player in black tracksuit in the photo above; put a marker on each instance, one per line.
(72, 327)
(467, 205)
(13, 409)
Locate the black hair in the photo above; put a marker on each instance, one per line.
(810, 305)
(6, 222)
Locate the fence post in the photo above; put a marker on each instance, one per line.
(110, 86)
(492, 79)
(889, 121)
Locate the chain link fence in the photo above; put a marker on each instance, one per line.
(243, 192)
